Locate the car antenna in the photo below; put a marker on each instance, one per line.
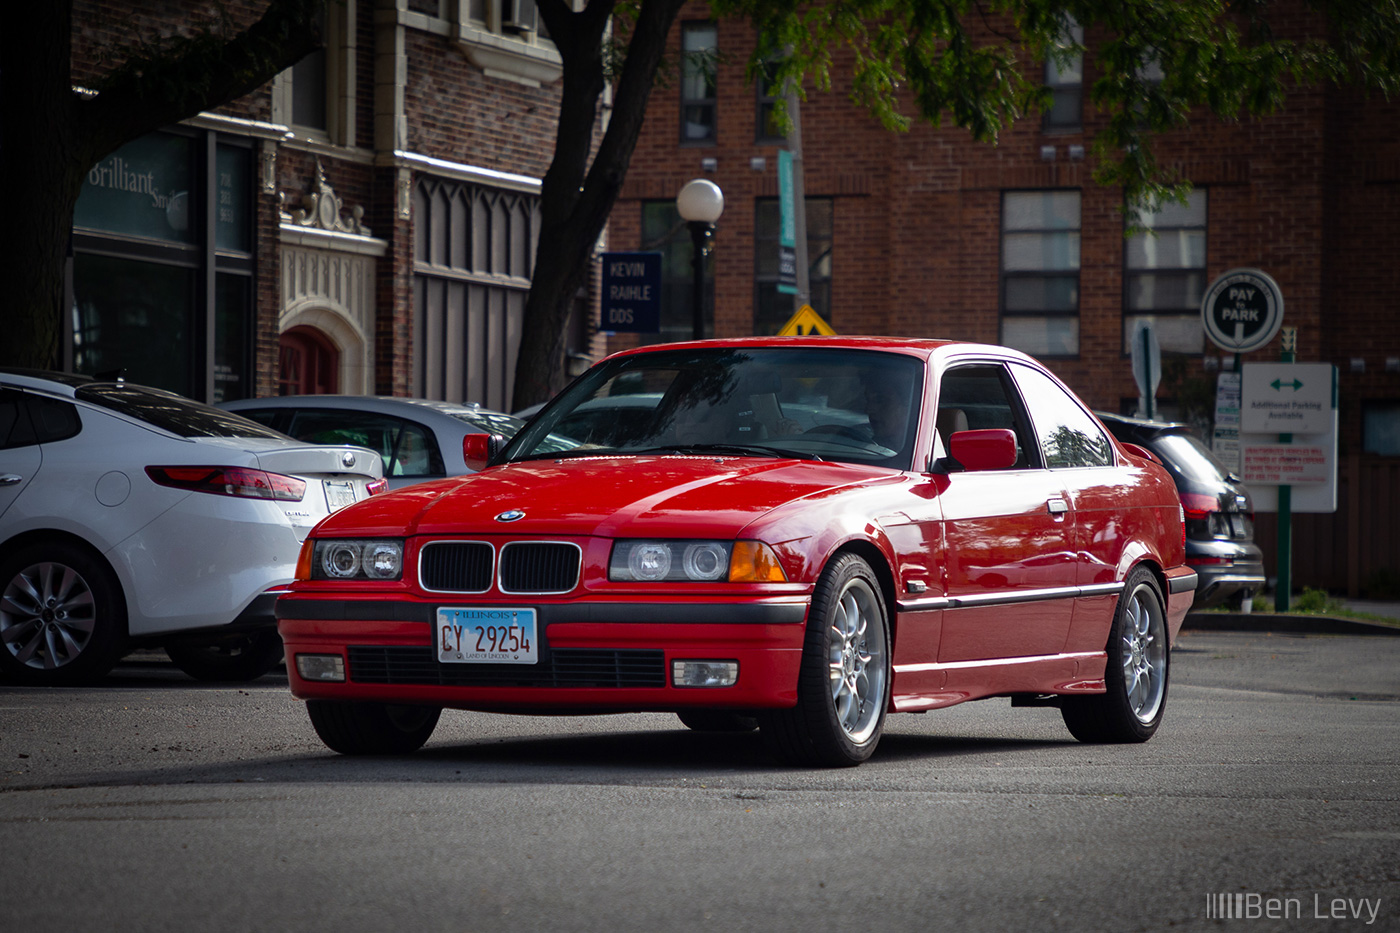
(111, 375)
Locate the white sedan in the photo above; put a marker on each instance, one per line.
(131, 516)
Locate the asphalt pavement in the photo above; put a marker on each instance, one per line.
(1303, 623)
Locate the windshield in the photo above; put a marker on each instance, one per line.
(1188, 456)
(854, 406)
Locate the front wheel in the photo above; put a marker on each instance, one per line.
(356, 728)
(843, 688)
(1136, 674)
(62, 615)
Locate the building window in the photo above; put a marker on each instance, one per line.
(1165, 274)
(664, 231)
(767, 130)
(1040, 272)
(312, 96)
(1064, 76)
(699, 46)
(1380, 427)
(772, 308)
(162, 244)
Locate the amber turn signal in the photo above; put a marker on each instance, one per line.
(754, 562)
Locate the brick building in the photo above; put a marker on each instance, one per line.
(365, 223)
(928, 233)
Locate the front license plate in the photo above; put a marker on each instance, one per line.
(339, 495)
(486, 636)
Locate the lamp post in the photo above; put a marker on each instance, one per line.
(699, 203)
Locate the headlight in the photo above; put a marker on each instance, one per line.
(357, 559)
(694, 562)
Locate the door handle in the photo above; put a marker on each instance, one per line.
(10, 479)
(1057, 506)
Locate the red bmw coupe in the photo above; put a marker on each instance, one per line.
(803, 535)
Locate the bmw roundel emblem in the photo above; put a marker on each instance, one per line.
(514, 515)
(347, 459)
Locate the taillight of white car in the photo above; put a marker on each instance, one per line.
(241, 482)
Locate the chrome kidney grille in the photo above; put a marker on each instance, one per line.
(537, 567)
(456, 566)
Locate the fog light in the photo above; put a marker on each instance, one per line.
(704, 673)
(323, 667)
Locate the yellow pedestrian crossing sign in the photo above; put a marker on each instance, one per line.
(806, 322)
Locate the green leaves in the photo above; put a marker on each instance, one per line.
(1154, 65)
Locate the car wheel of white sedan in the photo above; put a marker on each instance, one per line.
(1136, 676)
(843, 689)
(231, 658)
(62, 616)
(356, 728)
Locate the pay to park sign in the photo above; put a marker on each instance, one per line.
(1242, 310)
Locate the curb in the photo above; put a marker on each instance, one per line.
(1274, 622)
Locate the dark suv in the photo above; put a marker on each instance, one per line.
(1219, 513)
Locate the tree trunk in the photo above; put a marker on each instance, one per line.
(576, 198)
(49, 138)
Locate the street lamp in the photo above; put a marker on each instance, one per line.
(700, 203)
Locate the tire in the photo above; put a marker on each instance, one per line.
(62, 615)
(1139, 664)
(843, 686)
(717, 720)
(357, 728)
(230, 658)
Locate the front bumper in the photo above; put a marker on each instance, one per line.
(594, 656)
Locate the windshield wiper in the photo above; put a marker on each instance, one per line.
(740, 449)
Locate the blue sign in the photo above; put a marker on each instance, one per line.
(631, 293)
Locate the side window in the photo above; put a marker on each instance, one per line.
(15, 430)
(976, 397)
(416, 455)
(1068, 435)
(54, 420)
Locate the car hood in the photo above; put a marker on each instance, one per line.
(608, 496)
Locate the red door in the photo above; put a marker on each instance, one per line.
(310, 363)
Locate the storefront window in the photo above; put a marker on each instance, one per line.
(142, 190)
(154, 220)
(133, 316)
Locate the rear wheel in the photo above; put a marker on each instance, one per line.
(62, 615)
(843, 687)
(356, 728)
(228, 658)
(1136, 674)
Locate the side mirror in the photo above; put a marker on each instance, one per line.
(478, 450)
(988, 449)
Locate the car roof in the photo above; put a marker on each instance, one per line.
(381, 403)
(1142, 426)
(915, 345)
(48, 380)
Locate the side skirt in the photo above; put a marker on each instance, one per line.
(941, 685)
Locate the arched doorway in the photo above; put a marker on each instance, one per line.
(310, 363)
